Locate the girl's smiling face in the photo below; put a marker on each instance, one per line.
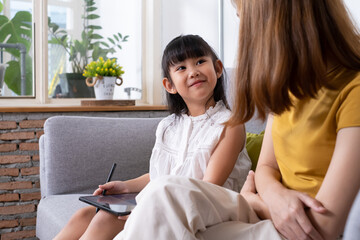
(194, 79)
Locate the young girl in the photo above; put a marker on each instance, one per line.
(193, 141)
(298, 64)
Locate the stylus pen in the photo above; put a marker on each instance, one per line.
(108, 180)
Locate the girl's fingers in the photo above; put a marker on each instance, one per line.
(106, 186)
(249, 185)
(97, 191)
(124, 218)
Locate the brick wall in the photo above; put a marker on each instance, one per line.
(19, 174)
(19, 168)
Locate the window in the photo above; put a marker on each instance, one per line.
(16, 55)
(83, 31)
(150, 24)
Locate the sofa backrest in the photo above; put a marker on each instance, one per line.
(72, 147)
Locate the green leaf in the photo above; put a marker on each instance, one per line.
(119, 46)
(91, 9)
(105, 44)
(61, 31)
(95, 36)
(55, 28)
(116, 37)
(110, 40)
(95, 53)
(90, 3)
(125, 38)
(93, 27)
(80, 48)
(92, 16)
(1, 7)
(29, 75)
(13, 76)
(63, 38)
(19, 29)
(120, 35)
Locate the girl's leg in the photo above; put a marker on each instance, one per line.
(77, 224)
(103, 225)
(179, 208)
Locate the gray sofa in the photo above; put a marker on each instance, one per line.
(76, 154)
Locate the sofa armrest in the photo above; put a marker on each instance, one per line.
(76, 153)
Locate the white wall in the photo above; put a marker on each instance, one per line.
(124, 16)
(354, 10)
(198, 17)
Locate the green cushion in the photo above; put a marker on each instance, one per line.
(253, 146)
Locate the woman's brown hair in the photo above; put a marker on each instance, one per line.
(286, 47)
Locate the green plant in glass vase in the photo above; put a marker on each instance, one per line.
(89, 48)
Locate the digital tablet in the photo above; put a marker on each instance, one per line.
(118, 204)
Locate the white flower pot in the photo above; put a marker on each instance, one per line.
(104, 87)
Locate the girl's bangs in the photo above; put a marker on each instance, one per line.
(187, 48)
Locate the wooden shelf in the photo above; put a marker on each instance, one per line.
(107, 102)
(84, 108)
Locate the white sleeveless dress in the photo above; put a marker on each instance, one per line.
(184, 145)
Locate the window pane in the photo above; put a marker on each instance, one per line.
(16, 49)
(75, 41)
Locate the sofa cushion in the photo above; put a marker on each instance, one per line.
(54, 212)
(253, 147)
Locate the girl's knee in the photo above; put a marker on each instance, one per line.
(103, 217)
(86, 213)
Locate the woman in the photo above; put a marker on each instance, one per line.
(298, 64)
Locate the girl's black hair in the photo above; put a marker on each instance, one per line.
(180, 49)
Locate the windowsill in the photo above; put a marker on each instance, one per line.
(52, 108)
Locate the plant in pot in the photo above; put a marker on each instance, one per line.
(103, 76)
(16, 40)
(91, 46)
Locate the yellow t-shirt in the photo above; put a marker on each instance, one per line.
(304, 137)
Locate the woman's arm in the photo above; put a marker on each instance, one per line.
(336, 194)
(132, 185)
(341, 184)
(225, 154)
(286, 207)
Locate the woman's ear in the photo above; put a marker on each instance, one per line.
(218, 68)
(168, 86)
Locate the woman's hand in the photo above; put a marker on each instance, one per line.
(114, 187)
(287, 209)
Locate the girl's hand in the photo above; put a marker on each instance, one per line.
(248, 191)
(287, 209)
(114, 187)
(124, 218)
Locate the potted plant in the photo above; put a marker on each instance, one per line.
(103, 75)
(91, 46)
(16, 40)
